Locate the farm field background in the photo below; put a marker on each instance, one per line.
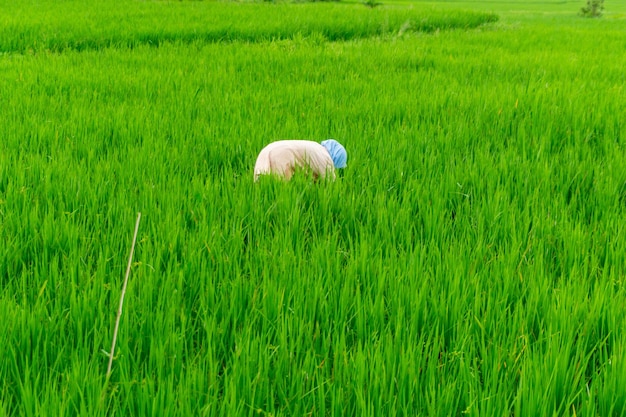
(470, 260)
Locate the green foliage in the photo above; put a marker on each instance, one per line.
(372, 3)
(593, 8)
(79, 26)
(470, 260)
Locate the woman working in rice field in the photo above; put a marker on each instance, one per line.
(282, 158)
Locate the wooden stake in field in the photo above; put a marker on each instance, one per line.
(119, 310)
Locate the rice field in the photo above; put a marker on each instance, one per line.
(471, 260)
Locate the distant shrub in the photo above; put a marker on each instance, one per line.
(593, 8)
(371, 3)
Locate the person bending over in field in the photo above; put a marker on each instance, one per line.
(283, 157)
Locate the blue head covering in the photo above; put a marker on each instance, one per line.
(337, 152)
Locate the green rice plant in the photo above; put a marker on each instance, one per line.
(469, 261)
(31, 26)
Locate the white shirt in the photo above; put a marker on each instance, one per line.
(282, 158)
